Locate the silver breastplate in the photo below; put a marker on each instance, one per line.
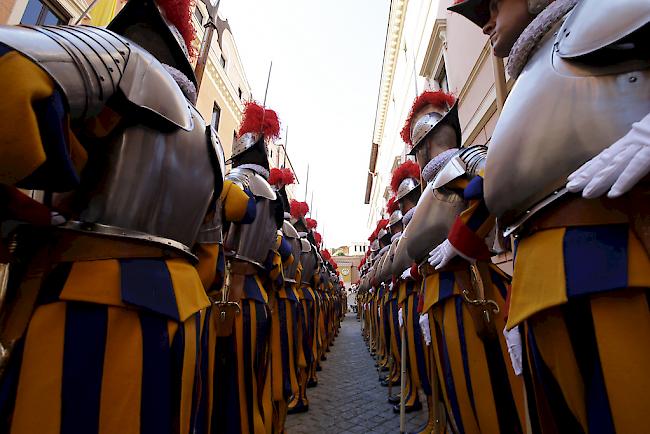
(291, 236)
(252, 242)
(385, 271)
(401, 258)
(308, 262)
(149, 182)
(433, 218)
(559, 114)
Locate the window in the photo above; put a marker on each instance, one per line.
(216, 115)
(223, 61)
(39, 13)
(441, 78)
(198, 15)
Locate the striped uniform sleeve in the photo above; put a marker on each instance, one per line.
(238, 205)
(38, 150)
(474, 224)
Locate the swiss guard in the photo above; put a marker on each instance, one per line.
(464, 299)
(100, 327)
(405, 184)
(306, 309)
(249, 250)
(575, 152)
(284, 305)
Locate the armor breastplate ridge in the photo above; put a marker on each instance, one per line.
(308, 261)
(291, 235)
(252, 242)
(141, 183)
(545, 132)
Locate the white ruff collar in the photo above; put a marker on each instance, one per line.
(257, 169)
(408, 216)
(395, 237)
(433, 167)
(528, 41)
(188, 88)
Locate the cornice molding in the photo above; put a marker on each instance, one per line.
(434, 49)
(391, 52)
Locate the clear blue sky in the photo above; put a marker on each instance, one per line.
(327, 59)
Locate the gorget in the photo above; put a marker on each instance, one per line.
(529, 40)
(257, 169)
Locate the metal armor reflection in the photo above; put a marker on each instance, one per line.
(530, 164)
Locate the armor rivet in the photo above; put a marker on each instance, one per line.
(528, 212)
(110, 69)
(567, 34)
(632, 79)
(101, 78)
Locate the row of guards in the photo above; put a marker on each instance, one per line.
(147, 290)
(562, 345)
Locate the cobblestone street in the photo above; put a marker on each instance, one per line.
(349, 398)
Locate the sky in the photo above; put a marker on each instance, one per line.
(327, 58)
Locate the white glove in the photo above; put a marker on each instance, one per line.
(400, 318)
(424, 326)
(406, 275)
(618, 168)
(441, 255)
(513, 341)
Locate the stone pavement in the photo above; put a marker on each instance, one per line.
(349, 398)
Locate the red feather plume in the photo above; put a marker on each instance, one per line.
(179, 13)
(381, 225)
(287, 176)
(326, 255)
(281, 177)
(276, 177)
(408, 169)
(257, 119)
(392, 205)
(298, 209)
(438, 98)
(334, 264)
(318, 238)
(311, 223)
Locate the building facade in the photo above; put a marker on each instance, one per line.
(348, 266)
(428, 48)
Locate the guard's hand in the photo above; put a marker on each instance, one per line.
(618, 168)
(424, 327)
(441, 255)
(406, 275)
(513, 341)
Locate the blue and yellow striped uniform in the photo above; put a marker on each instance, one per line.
(113, 345)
